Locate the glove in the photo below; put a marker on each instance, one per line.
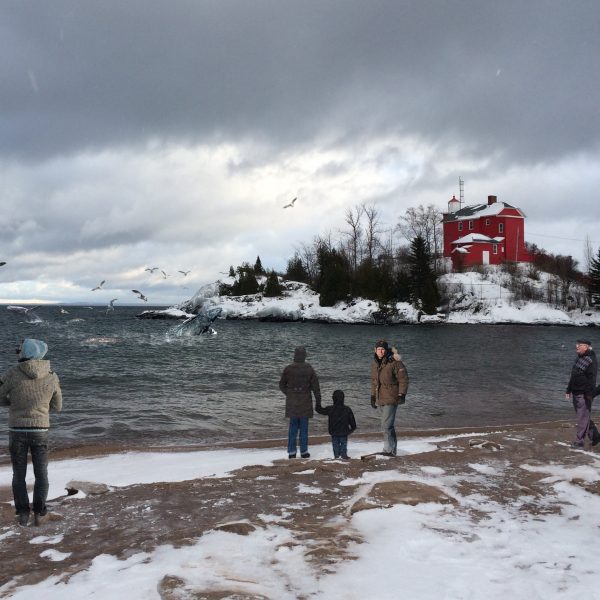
(401, 398)
(373, 403)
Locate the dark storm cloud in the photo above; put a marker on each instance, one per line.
(517, 80)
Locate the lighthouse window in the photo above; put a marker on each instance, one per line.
(471, 225)
(500, 227)
(495, 248)
(487, 221)
(460, 225)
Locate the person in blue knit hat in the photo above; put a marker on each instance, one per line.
(30, 390)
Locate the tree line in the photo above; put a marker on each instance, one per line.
(366, 259)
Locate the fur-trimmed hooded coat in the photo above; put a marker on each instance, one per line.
(389, 379)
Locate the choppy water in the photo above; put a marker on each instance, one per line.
(127, 381)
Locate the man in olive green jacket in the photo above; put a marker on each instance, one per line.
(389, 384)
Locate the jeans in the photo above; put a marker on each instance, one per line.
(21, 442)
(340, 445)
(298, 424)
(388, 416)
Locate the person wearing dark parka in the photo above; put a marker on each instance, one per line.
(299, 383)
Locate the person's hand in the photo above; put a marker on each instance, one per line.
(401, 398)
(373, 403)
(567, 396)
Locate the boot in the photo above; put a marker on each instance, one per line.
(23, 519)
(39, 519)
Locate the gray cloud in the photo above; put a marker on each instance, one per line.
(515, 79)
(163, 132)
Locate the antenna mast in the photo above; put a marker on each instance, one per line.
(461, 190)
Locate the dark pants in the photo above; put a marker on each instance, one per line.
(585, 426)
(298, 424)
(21, 442)
(340, 446)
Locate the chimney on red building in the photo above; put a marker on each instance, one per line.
(491, 200)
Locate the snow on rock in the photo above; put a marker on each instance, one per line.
(473, 297)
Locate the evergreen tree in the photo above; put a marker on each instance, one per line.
(424, 292)
(334, 276)
(258, 268)
(594, 274)
(296, 270)
(403, 286)
(374, 281)
(231, 271)
(272, 286)
(246, 282)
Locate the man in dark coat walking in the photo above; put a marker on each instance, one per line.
(581, 388)
(298, 382)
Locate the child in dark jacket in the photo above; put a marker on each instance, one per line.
(341, 423)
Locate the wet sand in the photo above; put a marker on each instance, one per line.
(93, 450)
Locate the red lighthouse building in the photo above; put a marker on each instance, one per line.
(484, 234)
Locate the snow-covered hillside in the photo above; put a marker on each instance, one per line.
(489, 296)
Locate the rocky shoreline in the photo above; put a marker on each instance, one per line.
(180, 513)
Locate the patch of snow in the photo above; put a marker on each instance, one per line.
(55, 555)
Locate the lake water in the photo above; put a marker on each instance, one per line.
(127, 381)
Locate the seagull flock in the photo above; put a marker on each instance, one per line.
(110, 306)
(28, 312)
(138, 293)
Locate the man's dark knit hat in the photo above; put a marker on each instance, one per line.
(581, 341)
(381, 344)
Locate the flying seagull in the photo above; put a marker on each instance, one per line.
(63, 311)
(111, 304)
(291, 204)
(2, 263)
(140, 295)
(164, 274)
(184, 273)
(99, 286)
(151, 269)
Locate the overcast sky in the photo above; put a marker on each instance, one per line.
(170, 133)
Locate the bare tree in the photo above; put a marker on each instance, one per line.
(352, 217)
(372, 230)
(308, 255)
(588, 253)
(424, 222)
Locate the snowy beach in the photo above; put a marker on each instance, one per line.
(466, 514)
